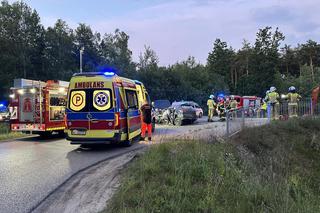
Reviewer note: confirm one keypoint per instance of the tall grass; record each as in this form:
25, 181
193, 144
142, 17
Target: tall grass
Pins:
271, 169
5, 132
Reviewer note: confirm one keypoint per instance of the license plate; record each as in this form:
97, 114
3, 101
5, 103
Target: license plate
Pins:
78, 132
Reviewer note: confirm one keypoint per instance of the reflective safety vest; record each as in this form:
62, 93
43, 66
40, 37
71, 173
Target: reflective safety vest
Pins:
211, 104
264, 106
233, 104
293, 97
273, 97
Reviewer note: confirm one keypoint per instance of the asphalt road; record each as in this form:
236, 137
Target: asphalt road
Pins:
31, 168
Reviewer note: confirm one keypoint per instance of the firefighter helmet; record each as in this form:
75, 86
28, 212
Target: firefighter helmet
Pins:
211, 96
292, 89
273, 89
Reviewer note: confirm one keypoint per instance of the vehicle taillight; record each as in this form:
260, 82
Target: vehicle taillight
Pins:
116, 120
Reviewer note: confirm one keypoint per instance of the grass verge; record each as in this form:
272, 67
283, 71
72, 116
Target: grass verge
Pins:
5, 132
275, 168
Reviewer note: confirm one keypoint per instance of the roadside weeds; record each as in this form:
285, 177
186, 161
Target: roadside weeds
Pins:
274, 168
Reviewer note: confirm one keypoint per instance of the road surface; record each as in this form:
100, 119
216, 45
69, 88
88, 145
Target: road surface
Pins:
32, 168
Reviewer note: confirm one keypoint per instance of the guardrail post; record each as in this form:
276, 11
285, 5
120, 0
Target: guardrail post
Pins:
228, 124
269, 113
243, 119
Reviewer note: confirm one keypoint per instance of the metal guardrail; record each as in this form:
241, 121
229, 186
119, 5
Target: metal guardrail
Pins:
241, 118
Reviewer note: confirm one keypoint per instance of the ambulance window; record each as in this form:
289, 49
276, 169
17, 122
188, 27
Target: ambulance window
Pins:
132, 99
77, 100
101, 100
148, 98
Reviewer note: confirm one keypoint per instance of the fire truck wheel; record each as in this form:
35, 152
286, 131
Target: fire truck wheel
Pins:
61, 134
44, 135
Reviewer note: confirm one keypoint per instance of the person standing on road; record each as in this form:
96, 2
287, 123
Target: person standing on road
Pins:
146, 124
211, 107
233, 105
273, 101
293, 99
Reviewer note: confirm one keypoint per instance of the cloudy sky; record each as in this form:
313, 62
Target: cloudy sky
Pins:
176, 29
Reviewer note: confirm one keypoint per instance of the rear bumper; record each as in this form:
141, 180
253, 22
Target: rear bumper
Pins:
189, 117
115, 139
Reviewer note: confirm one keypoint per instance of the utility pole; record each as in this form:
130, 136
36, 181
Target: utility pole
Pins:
81, 52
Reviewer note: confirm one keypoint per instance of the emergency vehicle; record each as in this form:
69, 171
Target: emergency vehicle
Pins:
38, 107
316, 100
103, 108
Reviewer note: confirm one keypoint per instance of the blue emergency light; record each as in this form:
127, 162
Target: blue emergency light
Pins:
109, 73
221, 95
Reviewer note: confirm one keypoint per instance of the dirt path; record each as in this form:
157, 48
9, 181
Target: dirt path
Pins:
89, 190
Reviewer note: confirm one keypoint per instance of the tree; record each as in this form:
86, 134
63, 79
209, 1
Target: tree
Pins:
21, 42
220, 61
85, 38
148, 60
116, 53
60, 52
264, 63
310, 53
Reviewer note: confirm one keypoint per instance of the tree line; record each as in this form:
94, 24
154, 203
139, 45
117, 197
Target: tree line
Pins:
29, 50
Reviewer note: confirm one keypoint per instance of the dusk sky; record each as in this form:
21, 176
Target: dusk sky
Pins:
176, 29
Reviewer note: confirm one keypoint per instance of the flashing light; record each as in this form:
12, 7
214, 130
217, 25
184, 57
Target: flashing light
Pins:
1, 105
21, 91
221, 95
109, 73
33, 90
12, 96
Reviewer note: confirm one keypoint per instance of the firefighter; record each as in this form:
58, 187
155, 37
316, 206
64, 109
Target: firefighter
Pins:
211, 107
293, 99
263, 109
233, 105
221, 108
272, 99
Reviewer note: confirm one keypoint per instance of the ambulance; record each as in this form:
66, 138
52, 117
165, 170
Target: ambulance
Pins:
103, 108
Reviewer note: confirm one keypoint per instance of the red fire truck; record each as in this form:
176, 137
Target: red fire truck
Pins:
38, 107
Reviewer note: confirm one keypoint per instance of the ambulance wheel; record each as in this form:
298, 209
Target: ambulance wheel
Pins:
127, 143
85, 146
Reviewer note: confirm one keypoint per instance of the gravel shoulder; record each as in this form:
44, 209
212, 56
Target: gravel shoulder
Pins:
89, 190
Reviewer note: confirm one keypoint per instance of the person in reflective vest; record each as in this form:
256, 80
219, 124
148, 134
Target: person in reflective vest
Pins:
146, 124
211, 107
233, 106
221, 108
293, 99
273, 102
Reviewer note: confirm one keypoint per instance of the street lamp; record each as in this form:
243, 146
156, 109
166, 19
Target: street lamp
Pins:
81, 52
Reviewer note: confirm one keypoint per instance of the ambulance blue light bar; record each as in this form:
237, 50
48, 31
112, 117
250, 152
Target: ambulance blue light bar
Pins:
109, 73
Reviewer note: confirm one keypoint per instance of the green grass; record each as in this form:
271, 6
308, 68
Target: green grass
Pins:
6, 134
271, 169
